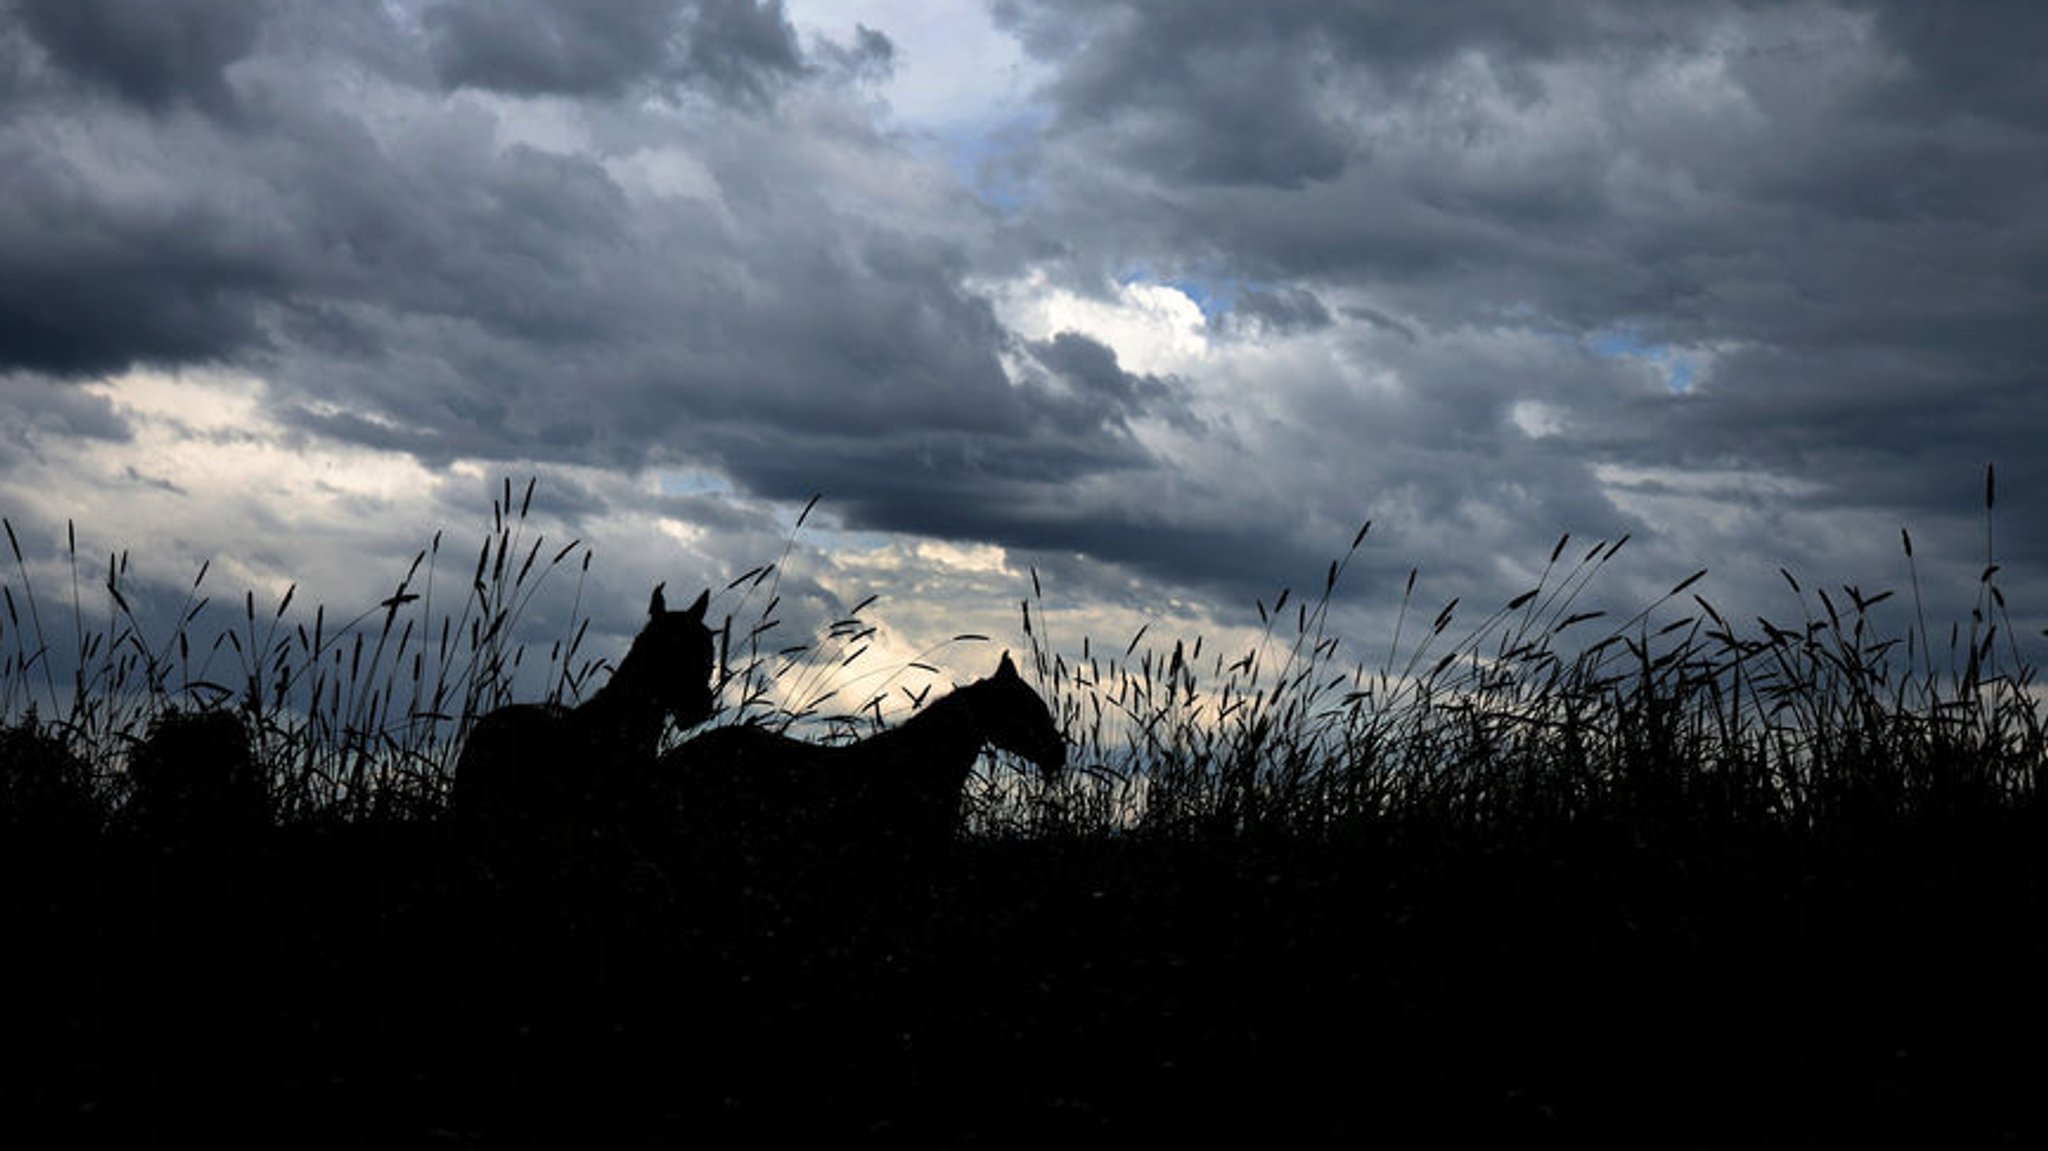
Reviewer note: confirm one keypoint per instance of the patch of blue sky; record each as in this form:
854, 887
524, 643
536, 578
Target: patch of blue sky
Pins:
1215, 295
693, 484
840, 541
1680, 368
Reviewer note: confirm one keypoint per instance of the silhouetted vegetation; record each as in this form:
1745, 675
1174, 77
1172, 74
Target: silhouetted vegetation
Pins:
1665, 880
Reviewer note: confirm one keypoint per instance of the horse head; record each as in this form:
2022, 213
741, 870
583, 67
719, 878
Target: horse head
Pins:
676, 654
1016, 720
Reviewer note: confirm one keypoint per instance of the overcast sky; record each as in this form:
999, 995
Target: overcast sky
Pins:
1162, 297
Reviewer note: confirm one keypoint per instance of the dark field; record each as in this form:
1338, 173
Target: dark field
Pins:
1590, 986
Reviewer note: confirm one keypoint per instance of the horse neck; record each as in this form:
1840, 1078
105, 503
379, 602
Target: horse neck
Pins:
629, 711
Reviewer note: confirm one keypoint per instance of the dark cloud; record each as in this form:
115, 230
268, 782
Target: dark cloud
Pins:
1824, 207
1012, 486
1975, 60
155, 54
737, 45
97, 280
734, 48
1243, 111
1215, 92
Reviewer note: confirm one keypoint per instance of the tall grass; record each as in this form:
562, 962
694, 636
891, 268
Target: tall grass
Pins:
353, 720
1673, 720
1545, 714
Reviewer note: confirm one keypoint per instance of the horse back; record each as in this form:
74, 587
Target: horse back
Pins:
746, 785
738, 779
514, 761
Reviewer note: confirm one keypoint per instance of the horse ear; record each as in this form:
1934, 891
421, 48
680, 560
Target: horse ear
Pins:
656, 605
696, 610
1006, 667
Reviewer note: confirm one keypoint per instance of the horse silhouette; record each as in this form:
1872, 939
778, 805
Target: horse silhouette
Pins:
750, 786
536, 764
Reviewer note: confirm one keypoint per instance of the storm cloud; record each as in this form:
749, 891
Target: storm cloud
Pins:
1759, 283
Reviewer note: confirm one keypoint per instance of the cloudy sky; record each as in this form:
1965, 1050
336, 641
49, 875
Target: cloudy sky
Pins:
1163, 298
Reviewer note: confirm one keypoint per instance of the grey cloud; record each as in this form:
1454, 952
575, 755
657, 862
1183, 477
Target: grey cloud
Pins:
1223, 93
1978, 60
1242, 112
96, 282
1283, 310
870, 56
1385, 33
35, 408
735, 44
874, 47
152, 53
1834, 217
458, 301
1634, 204
543, 46
1098, 393
1018, 491
608, 47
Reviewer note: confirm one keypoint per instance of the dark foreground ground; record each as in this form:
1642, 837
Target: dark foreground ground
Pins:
376, 986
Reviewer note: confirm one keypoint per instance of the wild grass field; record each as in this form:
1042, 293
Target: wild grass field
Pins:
1556, 878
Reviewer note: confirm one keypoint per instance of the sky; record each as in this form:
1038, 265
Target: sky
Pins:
1159, 299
